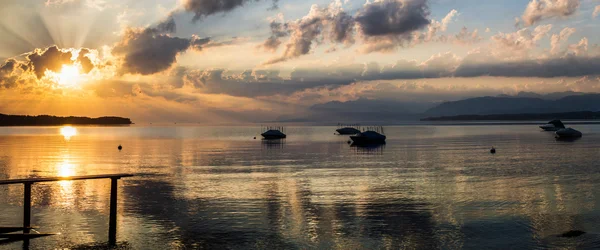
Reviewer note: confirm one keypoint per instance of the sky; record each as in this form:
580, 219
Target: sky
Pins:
247, 61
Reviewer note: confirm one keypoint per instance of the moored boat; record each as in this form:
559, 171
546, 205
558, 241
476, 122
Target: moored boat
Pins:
371, 136
568, 133
273, 133
553, 125
348, 129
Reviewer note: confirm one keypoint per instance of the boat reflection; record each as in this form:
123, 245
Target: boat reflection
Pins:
567, 139
273, 143
368, 148
67, 132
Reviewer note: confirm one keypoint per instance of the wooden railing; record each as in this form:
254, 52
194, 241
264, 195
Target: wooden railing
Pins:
27, 183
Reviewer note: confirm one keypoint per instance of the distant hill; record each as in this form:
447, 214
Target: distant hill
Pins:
368, 105
47, 120
517, 105
585, 115
361, 111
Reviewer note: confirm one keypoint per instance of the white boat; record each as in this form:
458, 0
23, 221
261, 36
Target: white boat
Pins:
553, 125
568, 133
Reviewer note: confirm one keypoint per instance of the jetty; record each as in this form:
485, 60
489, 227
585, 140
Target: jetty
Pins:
8, 235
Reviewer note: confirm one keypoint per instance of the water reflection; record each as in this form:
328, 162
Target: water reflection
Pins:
273, 143
432, 188
67, 132
368, 148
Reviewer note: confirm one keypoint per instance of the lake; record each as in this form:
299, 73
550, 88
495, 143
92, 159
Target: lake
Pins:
429, 187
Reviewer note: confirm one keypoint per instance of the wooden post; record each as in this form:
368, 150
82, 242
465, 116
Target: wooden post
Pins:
112, 223
26, 212
26, 207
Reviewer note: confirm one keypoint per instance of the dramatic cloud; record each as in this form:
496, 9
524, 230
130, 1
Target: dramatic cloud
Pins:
342, 27
383, 25
152, 50
51, 59
538, 10
203, 8
278, 30
7, 77
393, 17
303, 33
85, 61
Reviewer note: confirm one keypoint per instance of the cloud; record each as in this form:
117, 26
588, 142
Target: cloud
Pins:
538, 10
204, 8
51, 59
152, 50
85, 61
278, 30
7, 73
566, 66
520, 42
465, 37
556, 39
303, 33
383, 25
393, 17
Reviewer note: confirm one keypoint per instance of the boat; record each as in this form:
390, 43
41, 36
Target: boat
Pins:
348, 129
567, 133
273, 133
553, 125
373, 135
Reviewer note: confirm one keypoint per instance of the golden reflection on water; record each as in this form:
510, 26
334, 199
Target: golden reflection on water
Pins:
66, 169
67, 132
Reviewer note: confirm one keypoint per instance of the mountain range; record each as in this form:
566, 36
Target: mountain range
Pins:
367, 110
517, 105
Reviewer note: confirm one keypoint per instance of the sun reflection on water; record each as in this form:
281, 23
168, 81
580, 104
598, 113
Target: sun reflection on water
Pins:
68, 132
66, 169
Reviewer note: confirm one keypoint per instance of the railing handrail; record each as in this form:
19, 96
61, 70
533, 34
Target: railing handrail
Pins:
64, 178
27, 183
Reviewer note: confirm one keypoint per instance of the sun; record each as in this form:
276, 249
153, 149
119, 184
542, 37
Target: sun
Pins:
69, 75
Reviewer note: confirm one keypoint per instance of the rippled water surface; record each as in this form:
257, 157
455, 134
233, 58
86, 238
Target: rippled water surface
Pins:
430, 187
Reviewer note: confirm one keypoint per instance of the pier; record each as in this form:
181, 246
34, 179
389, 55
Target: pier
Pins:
5, 234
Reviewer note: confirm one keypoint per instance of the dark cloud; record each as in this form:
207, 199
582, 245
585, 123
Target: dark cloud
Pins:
203, 8
86, 63
168, 25
309, 29
50, 59
152, 50
278, 30
7, 76
393, 17
342, 28
384, 25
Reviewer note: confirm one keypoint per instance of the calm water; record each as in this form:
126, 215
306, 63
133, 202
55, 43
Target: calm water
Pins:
216, 187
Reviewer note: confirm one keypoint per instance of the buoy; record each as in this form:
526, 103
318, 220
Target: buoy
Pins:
120, 147
493, 150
